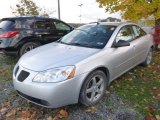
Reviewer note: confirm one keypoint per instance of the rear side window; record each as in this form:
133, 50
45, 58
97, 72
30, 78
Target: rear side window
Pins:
44, 24
6, 24
138, 32
24, 23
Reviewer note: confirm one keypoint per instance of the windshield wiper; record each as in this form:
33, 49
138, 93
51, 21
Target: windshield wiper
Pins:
59, 40
78, 44
82, 45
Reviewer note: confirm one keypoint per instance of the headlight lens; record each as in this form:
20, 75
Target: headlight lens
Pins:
55, 75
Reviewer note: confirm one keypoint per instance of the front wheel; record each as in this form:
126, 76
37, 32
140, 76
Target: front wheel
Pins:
28, 47
93, 88
148, 59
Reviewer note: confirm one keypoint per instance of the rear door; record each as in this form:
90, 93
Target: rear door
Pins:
140, 42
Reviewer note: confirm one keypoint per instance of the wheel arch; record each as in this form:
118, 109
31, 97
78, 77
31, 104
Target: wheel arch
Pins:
102, 68
27, 39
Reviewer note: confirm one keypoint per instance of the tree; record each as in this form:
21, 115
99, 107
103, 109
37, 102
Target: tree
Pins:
29, 8
133, 10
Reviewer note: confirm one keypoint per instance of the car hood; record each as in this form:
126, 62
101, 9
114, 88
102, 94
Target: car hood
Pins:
55, 55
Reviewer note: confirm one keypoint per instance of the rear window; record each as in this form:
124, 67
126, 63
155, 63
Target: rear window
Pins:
6, 24
17, 23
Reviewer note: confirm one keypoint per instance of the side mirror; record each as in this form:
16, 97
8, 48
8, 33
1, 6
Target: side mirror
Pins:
121, 43
72, 28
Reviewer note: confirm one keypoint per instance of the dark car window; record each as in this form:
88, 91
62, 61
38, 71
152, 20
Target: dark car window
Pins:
138, 32
61, 26
124, 34
6, 24
95, 36
24, 23
44, 24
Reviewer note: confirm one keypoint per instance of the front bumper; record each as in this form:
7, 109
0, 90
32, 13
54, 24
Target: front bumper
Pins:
51, 95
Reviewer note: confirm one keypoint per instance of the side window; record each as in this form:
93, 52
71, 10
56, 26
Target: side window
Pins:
44, 24
138, 32
61, 26
124, 34
24, 23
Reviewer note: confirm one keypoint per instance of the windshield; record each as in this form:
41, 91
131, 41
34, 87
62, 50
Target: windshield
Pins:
93, 36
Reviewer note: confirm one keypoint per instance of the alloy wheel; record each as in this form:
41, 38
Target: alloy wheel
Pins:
29, 48
95, 88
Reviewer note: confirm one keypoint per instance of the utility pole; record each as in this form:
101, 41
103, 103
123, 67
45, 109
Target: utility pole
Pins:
59, 12
80, 11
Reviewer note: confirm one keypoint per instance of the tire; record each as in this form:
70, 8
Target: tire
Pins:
93, 88
148, 59
28, 47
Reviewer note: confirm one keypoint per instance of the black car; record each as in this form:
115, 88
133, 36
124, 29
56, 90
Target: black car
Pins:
19, 35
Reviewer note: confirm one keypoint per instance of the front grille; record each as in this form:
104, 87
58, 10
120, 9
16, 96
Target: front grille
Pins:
16, 71
23, 75
36, 100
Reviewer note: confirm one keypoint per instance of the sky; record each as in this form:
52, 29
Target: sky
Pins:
70, 11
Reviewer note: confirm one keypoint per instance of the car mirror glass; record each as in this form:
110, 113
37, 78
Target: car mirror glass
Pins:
122, 43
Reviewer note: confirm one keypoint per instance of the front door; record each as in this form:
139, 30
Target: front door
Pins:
46, 30
122, 56
61, 28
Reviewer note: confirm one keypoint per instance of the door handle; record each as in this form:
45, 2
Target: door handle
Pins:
134, 47
60, 33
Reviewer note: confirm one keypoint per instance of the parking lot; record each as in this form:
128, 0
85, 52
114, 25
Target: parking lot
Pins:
129, 97
13, 106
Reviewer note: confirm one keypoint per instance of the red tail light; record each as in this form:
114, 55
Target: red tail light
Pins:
9, 34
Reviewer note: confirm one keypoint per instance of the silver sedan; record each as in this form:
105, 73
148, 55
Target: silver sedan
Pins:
79, 66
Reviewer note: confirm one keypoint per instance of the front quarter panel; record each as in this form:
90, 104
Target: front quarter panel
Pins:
101, 59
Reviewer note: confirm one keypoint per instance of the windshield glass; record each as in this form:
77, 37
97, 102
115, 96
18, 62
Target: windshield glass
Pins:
94, 36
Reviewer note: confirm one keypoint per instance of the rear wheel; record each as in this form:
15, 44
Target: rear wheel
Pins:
28, 47
148, 59
93, 88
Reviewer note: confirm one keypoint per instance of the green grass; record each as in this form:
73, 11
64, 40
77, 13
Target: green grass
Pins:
137, 86
6, 67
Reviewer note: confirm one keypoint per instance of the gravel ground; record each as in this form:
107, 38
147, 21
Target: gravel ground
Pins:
110, 108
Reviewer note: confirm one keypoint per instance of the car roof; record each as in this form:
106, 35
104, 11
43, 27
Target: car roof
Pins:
27, 17
111, 23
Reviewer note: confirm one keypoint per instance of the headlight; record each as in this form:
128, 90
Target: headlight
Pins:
55, 75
